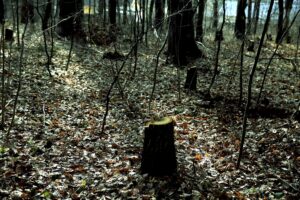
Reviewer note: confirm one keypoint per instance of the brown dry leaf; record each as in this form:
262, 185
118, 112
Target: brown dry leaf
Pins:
78, 169
198, 157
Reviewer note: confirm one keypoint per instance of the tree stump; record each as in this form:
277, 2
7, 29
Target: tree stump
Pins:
191, 79
159, 155
9, 35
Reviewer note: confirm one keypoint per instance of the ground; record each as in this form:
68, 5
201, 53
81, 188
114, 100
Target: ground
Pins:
56, 149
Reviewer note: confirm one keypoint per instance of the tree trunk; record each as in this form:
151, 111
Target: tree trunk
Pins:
27, 12
250, 82
280, 21
112, 11
216, 14
47, 15
151, 11
249, 17
125, 5
199, 27
286, 22
1, 11
159, 155
191, 79
256, 15
240, 20
159, 14
102, 11
70, 14
182, 46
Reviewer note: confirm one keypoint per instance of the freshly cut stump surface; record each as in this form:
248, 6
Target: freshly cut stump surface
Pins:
159, 155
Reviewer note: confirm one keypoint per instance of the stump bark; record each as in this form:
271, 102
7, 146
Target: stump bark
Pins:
159, 155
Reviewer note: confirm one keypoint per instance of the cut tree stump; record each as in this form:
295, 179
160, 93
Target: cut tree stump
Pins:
191, 79
159, 155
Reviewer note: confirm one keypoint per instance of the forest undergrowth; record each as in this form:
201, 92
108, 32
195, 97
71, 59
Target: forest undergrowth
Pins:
56, 149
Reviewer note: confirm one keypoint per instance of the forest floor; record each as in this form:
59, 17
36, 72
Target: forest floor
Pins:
56, 150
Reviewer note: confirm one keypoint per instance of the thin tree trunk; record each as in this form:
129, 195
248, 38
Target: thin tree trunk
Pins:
45, 19
280, 21
256, 15
240, 20
216, 14
249, 17
199, 27
18, 24
151, 11
3, 95
219, 41
251, 77
159, 14
288, 8
112, 5
125, 5
19, 83
241, 73
271, 58
1, 11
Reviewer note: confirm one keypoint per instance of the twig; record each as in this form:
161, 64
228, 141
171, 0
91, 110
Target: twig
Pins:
19, 84
155, 73
112, 86
251, 77
272, 56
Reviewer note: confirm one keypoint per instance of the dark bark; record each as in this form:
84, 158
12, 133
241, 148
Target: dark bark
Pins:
1, 11
250, 83
240, 20
286, 22
143, 16
9, 35
47, 15
280, 21
256, 15
191, 79
249, 17
199, 27
70, 15
159, 14
102, 10
151, 10
159, 155
27, 12
112, 6
219, 38
125, 5
216, 14
182, 46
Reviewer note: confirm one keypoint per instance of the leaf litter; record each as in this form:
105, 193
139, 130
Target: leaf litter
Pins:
57, 150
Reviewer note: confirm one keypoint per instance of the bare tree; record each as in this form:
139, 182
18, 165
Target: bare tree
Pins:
159, 14
1, 11
199, 27
288, 8
249, 17
112, 9
70, 14
216, 14
182, 47
280, 21
256, 15
240, 20
250, 82
181, 41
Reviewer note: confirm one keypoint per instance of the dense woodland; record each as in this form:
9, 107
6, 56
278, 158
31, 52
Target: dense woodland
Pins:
150, 99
